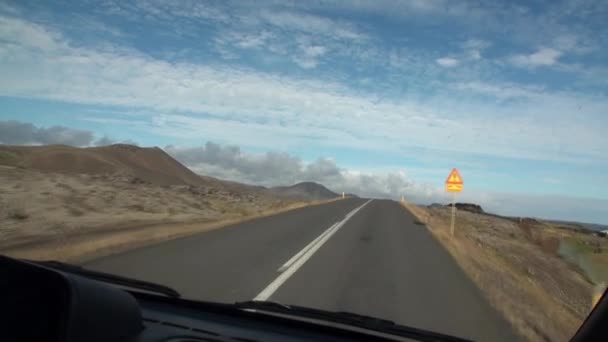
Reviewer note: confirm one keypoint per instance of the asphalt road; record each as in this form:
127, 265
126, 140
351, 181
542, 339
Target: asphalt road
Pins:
367, 257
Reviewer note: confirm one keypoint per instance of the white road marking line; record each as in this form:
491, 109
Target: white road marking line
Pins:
315, 241
305, 249
304, 256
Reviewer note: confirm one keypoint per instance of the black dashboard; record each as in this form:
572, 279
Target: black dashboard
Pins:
43, 304
188, 323
66, 304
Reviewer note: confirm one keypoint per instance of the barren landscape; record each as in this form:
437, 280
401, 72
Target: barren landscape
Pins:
54, 199
541, 276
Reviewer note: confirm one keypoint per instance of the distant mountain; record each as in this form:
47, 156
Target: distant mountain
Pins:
143, 164
148, 164
304, 190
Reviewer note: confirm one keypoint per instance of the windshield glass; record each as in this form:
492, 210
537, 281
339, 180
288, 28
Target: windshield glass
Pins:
435, 163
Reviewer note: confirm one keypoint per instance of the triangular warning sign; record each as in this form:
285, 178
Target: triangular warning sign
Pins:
454, 177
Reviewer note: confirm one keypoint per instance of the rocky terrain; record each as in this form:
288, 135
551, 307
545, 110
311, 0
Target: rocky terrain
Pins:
541, 276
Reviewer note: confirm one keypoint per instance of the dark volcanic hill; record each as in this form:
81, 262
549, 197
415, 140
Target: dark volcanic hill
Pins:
304, 190
150, 164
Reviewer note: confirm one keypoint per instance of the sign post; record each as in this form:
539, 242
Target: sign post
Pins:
452, 221
454, 184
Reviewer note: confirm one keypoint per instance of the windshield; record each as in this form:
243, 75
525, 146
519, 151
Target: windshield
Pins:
439, 164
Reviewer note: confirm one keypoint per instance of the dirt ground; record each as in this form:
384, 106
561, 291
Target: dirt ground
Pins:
69, 216
518, 266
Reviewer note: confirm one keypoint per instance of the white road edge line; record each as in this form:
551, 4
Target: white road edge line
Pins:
298, 262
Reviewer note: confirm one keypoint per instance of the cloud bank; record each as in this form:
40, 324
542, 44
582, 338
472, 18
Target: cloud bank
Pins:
22, 133
279, 168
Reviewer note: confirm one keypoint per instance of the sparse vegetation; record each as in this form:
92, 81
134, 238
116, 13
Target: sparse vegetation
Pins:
242, 211
105, 199
9, 158
136, 207
62, 207
75, 211
520, 267
18, 214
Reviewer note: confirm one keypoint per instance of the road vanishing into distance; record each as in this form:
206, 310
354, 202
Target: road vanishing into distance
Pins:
357, 255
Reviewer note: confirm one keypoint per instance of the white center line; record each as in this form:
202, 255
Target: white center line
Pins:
293, 264
306, 249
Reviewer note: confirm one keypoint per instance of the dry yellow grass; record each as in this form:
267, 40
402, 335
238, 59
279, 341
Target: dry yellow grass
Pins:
542, 296
80, 248
72, 217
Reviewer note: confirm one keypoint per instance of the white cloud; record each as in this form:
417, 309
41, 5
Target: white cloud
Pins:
20, 133
315, 50
228, 42
501, 90
279, 168
309, 55
474, 47
475, 44
566, 42
6, 8
289, 111
572, 43
250, 40
168, 10
28, 35
542, 57
313, 24
447, 62
392, 8
82, 23
292, 36
306, 62
397, 59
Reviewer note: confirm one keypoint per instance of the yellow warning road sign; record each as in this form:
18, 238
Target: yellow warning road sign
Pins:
454, 182
453, 187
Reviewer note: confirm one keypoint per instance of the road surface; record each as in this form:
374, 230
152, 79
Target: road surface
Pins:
357, 255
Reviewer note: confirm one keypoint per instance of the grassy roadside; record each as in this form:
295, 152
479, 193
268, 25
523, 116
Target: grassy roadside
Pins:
73, 217
542, 296
84, 247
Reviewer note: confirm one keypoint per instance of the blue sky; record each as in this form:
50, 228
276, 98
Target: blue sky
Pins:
379, 97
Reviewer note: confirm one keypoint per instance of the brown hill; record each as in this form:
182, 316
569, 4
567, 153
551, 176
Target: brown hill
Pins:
303, 190
147, 164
